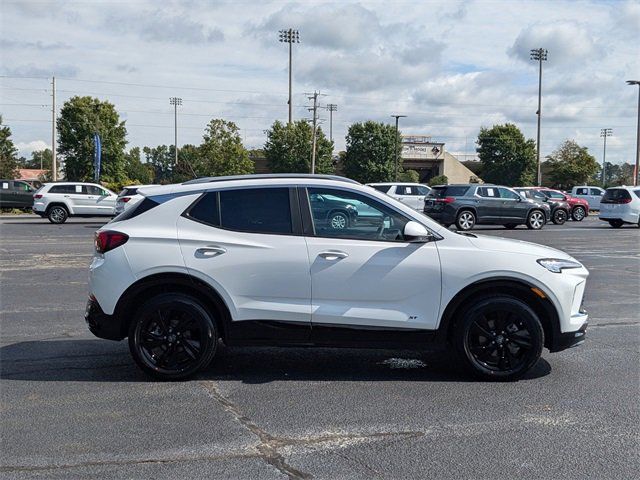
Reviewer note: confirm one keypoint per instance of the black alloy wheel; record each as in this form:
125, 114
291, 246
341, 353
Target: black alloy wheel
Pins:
578, 214
172, 337
499, 338
616, 223
560, 216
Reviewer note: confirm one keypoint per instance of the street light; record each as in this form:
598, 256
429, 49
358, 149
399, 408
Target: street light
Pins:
635, 169
175, 101
396, 149
289, 36
539, 55
332, 107
604, 133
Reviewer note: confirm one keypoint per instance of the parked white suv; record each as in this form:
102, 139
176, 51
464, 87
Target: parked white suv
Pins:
255, 260
621, 205
59, 201
412, 194
589, 193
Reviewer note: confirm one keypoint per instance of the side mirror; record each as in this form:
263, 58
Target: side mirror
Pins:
416, 233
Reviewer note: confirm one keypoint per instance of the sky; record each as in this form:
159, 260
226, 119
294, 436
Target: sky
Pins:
451, 67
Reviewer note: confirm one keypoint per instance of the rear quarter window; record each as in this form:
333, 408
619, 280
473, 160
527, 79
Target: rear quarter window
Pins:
381, 188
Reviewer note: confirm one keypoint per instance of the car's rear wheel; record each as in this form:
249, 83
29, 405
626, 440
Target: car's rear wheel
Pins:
616, 223
535, 220
57, 214
465, 220
338, 221
578, 214
560, 216
499, 338
510, 226
172, 336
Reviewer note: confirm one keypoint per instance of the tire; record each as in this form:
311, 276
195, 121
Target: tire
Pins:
510, 226
498, 338
535, 220
338, 220
560, 216
616, 223
465, 220
172, 336
57, 214
578, 214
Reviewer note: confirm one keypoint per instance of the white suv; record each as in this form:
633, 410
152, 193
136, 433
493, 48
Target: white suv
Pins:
258, 260
59, 201
621, 205
412, 194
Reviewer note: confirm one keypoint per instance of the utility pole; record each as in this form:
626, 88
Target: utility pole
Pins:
54, 162
539, 55
314, 109
636, 169
332, 107
290, 36
175, 101
604, 133
396, 149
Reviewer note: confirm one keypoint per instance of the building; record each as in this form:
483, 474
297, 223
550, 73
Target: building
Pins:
430, 159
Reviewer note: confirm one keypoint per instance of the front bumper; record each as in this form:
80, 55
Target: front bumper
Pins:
562, 341
101, 324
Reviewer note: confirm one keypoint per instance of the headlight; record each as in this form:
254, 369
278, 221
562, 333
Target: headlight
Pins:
556, 265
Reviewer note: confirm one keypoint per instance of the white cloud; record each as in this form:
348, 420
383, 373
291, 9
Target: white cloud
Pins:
26, 148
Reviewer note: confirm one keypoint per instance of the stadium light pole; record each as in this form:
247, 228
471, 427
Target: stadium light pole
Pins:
175, 101
332, 107
636, 168
396, 149
539, 55
604, 133
290, 36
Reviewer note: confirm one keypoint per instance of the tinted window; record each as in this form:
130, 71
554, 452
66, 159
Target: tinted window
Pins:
92, 190
260, 210
449, 191
508, 194
62, 189
381, 188
206, 209
582, 191
145, 205
22, 186
344, 214
616, 194
596, 191
552, 194
422, 190
637, 193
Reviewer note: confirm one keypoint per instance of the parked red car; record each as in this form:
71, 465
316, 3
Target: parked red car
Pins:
578, 206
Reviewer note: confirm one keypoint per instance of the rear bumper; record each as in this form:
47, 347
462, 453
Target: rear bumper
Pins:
622, 216
101, 324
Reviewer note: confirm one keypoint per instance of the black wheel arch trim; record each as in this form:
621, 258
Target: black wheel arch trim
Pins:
510, 286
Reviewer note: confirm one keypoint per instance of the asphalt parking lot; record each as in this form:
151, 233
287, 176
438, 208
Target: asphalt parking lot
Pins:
74, 406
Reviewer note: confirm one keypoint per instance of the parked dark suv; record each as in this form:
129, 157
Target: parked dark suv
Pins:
16, 194
468, 205
559, 208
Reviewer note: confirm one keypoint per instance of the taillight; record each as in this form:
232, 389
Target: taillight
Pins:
108, 240
125, 199
37, 195
446, 200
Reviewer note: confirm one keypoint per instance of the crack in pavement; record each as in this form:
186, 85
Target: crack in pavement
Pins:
270, 446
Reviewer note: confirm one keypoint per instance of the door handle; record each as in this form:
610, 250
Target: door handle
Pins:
333, 255
211, 251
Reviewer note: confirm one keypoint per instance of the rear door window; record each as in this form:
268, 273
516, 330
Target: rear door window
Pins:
596, 191
449, 191
256, 210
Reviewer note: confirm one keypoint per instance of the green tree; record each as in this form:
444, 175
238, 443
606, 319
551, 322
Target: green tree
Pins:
190, 164
135, 170
222, 152
570, 165
371, 152
79, 119
161, 159
39, 159
409, 176
507, 157
288, 148
8, 161
439, 180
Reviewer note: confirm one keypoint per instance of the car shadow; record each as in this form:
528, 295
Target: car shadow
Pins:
87, 360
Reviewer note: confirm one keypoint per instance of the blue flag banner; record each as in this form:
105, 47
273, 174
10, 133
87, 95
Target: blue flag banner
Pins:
97, 153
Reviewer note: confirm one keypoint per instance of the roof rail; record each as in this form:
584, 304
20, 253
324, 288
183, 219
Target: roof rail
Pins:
268, 176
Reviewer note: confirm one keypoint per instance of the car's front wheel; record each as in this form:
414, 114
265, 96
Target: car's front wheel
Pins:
535, 220
616, 223
499, 338
560, 216
172, 336
465, 220
57, 214
578, 214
